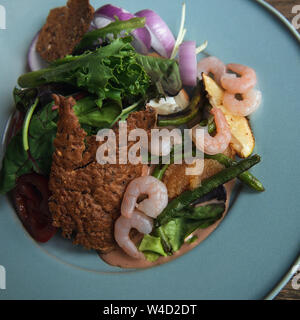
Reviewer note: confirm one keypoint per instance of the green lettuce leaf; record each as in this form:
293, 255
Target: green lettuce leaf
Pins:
111, 72
152, 247
171, 236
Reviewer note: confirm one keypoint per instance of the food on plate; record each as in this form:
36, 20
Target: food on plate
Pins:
121, 141
169, 105
176, 172
242, 139
64, 28
220, 141
85, 195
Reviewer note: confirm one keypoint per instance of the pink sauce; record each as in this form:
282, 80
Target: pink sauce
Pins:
120, 259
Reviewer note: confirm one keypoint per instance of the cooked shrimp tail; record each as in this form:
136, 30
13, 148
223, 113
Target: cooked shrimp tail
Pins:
218, 143
242, 84
211, 65
152, 206
123, 226
250, 102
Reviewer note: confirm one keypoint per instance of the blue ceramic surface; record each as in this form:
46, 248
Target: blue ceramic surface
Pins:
259, 239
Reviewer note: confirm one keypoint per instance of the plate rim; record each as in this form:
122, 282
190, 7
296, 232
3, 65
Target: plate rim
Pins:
296, 265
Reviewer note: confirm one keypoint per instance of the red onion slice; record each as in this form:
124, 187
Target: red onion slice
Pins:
188, 63
142, 38
100, 22
162, 39
35, 61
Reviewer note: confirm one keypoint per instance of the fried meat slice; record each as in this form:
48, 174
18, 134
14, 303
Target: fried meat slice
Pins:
86, 196
64, 28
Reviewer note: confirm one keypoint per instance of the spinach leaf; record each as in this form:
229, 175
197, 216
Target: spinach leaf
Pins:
89, 114
100, 118
15, 163
24, 98
42, 132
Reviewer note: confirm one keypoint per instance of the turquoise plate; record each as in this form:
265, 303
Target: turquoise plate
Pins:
258, 241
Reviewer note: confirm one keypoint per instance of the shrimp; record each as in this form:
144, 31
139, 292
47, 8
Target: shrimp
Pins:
242, 84
152, 206
218, 143
123, 226
211, 65
145, 170
251, 101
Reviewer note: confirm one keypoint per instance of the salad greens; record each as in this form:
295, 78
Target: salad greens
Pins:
117, 81
17, 161
41, 134
188, 197
26, 124
90, 114
114, 29
24, 98
169, 237
164, 73
179, 219
115, 72
110, 72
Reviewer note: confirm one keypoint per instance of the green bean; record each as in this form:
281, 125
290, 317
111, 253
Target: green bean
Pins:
207, 186
159, 171
192, 111
211, 125
248, 178
203, 123
202, 212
